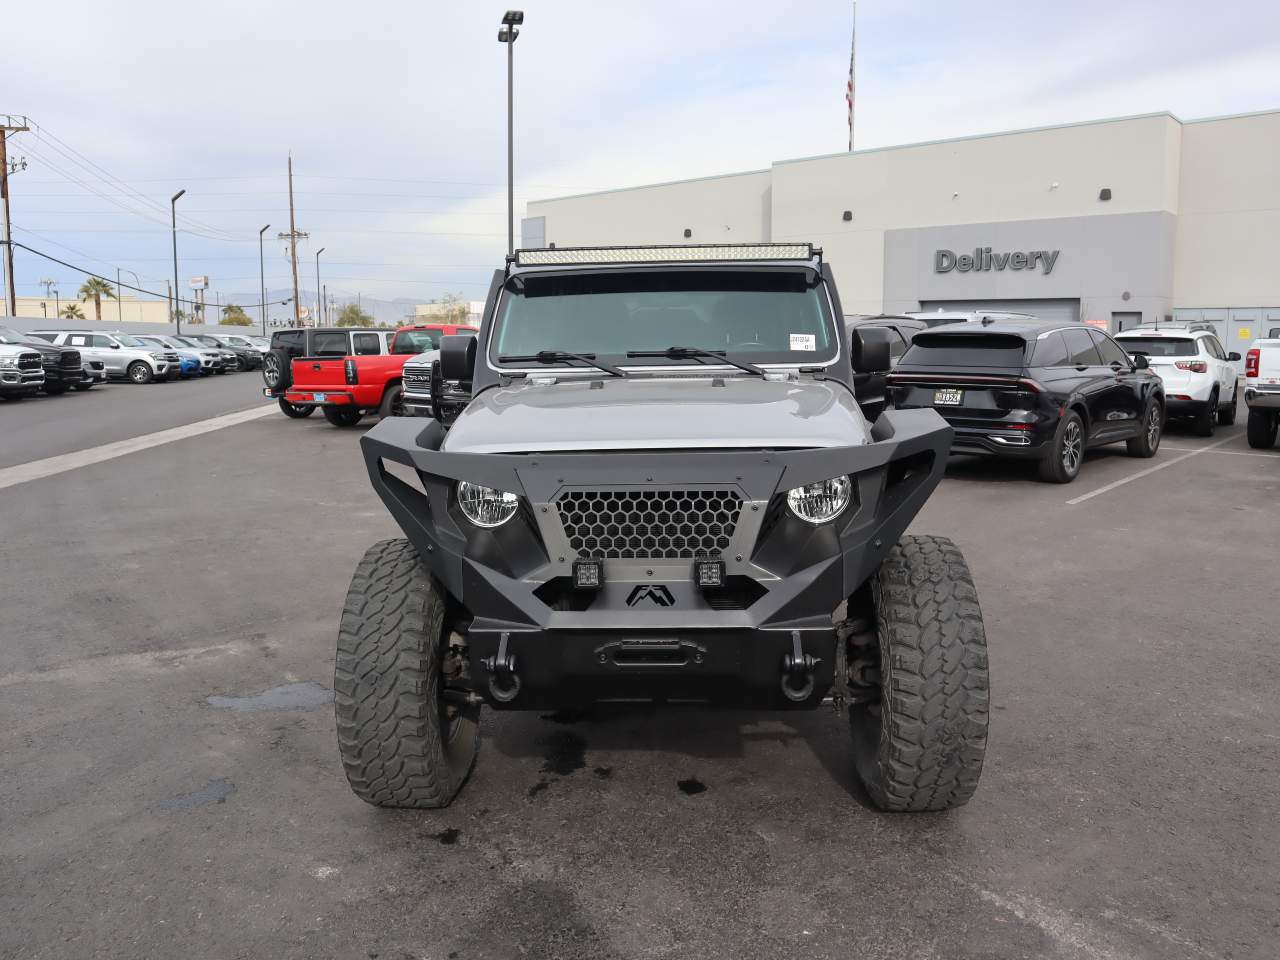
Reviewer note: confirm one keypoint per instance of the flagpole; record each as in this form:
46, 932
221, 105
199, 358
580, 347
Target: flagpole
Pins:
849, 89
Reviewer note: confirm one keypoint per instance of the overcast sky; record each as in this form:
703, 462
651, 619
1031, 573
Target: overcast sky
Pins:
395, 112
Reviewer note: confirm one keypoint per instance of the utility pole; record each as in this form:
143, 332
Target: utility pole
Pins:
293, 236
119, 305
8, 125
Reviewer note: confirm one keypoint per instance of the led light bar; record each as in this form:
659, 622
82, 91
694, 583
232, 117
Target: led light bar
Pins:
673, 254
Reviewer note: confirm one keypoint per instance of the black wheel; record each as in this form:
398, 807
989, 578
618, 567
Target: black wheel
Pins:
1061, 462
55, 389
1260, 429
921, 746
406, 738
1206, 420
1227, 414
392, 402
293, 410
342, 416
139, 372
277, 374
1147, 442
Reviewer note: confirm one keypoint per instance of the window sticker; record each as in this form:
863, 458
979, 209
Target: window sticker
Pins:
804, 341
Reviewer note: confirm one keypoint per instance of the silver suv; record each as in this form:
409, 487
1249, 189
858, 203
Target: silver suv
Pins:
122, 355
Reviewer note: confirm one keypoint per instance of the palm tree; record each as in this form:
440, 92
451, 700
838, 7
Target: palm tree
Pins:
95, 288
72, 312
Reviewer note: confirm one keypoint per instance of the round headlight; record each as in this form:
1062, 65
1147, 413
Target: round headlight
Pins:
822, 501
485, 506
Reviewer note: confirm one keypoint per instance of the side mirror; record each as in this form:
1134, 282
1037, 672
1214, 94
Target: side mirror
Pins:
115, 346
869, 353
1233, 357
1140, 361
457, 356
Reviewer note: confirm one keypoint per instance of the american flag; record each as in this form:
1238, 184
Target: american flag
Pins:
848, 91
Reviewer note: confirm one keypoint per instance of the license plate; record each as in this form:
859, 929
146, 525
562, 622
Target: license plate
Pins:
318, 397
948, 398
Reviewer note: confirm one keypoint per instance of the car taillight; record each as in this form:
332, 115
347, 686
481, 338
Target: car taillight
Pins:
1195, 366
352, 376
1251, 362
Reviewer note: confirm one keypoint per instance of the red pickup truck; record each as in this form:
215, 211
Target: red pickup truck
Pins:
346, 388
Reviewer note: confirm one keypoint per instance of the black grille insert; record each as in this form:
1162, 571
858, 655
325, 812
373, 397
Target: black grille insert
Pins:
649, 524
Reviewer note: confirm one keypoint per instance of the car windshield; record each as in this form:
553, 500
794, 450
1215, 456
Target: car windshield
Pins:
416, 341
759, 316
1159, 346
126, 341
8, 335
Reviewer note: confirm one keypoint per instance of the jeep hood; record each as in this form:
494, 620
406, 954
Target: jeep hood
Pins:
649, 413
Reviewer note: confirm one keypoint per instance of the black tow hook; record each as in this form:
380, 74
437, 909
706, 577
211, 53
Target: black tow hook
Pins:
798, 666
504, 682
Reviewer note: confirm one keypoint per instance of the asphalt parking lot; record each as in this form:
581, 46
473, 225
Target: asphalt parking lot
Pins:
170, 786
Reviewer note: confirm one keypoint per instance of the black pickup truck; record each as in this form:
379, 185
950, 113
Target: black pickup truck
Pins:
63, 368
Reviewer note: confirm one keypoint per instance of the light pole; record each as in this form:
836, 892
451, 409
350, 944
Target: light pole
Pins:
318, 294
507, 34
262, 279
173, 214
136, 282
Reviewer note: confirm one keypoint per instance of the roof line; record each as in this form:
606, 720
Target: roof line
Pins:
646, 186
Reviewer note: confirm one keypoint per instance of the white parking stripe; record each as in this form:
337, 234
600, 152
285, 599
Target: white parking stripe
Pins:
1145, 473
50, 466
1234, 453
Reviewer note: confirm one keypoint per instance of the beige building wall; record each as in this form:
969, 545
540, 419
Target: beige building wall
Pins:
731, 209
128, 310
1228, 235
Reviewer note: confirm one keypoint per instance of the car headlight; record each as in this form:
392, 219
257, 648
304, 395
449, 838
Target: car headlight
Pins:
9, 363
485, 506
157, 356
822, 501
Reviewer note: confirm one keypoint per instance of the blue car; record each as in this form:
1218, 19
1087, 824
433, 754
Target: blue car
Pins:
189, 366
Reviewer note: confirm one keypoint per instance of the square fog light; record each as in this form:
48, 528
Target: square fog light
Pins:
708, 573
588, 574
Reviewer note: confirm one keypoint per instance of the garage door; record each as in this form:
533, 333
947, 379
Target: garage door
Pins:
1059, 311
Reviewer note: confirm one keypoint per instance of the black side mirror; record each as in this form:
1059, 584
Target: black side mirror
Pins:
457, 356
869, 353
1140, 361
1233, 357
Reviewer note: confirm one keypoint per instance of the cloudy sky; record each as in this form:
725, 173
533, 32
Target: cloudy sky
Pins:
395, 112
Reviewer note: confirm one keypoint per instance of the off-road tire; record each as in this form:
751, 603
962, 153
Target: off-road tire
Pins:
293, 410
342, 416
277, 373
1260, 429
921, 747
1206, 420
1053, 464
392, 402
387, 683
139, 372
1227, 414
1147, 442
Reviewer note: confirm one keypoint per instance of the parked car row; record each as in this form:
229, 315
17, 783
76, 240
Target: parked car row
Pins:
29, 366
149, 357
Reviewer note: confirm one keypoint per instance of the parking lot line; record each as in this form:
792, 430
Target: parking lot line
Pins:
50, 466
1145, 473
1235, 453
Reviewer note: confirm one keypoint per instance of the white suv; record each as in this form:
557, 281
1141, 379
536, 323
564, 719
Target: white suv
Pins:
121, 354
936, 318
1199, 375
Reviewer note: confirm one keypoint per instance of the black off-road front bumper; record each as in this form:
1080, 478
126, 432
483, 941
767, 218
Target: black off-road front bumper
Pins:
765, 639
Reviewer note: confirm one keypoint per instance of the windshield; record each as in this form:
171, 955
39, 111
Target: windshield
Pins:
1159, 346
126, 341
761, 317
8, 335
416, 341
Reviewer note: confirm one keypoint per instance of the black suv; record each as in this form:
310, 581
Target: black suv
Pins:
1032, 390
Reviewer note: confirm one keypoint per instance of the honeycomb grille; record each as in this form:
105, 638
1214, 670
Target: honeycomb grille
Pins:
648, 524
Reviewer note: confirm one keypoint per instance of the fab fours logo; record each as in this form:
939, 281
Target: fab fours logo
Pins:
656, 594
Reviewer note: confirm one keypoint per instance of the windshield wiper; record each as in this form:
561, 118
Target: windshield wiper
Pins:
697, 353
564, 356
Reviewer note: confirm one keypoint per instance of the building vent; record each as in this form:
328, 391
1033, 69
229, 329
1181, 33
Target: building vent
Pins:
1104, 193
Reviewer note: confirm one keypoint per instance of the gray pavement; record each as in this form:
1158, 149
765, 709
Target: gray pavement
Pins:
169, 781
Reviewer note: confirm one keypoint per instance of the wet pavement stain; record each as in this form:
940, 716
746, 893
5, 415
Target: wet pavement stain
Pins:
448, 836
538, 787
691, 786
604, 773
565, 752
215, 791
290, 696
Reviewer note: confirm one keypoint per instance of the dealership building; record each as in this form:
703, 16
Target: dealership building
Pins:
1112, 222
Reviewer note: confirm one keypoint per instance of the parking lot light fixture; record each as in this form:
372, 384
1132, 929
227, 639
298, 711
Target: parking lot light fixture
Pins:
177, 298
